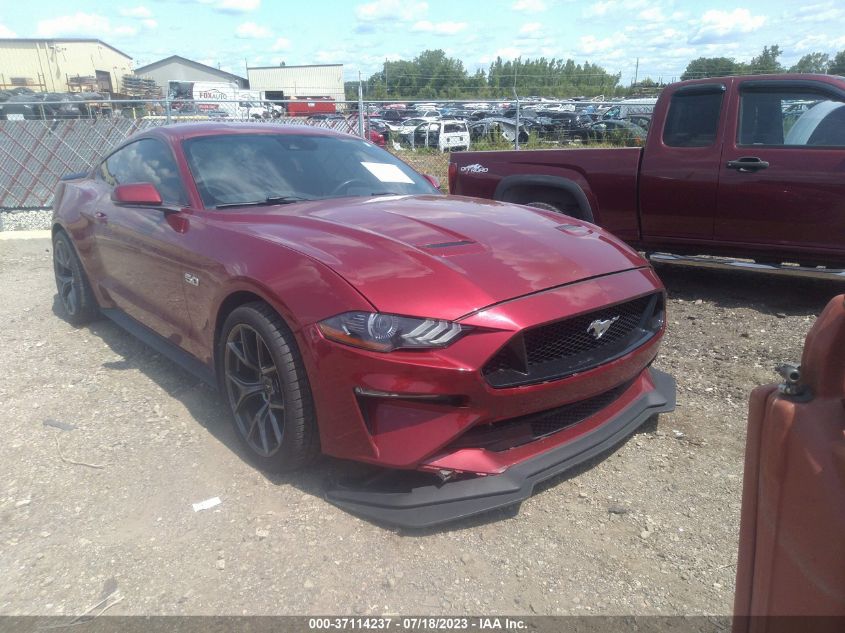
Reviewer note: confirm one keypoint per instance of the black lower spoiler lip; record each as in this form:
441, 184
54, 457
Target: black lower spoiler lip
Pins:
429, 505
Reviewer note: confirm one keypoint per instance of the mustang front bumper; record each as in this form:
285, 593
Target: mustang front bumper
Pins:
423, 505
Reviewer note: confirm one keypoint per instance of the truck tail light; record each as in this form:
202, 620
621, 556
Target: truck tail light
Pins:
453, 172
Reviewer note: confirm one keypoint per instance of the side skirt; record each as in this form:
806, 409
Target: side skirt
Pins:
164, 347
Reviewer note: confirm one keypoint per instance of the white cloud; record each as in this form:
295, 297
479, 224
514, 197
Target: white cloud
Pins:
718, 25
529, 6
143, 17
508, 53
233, 6
819, 42
136, 12
77, 24
390, 10
439, 28
281, 44
89, 25
590, 44
652, 14
5, 31
530, 28
622, 7
252, 31
124, 31
598, 9
822, 12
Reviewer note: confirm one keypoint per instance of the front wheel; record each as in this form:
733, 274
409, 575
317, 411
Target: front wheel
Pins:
267, 388
75, 294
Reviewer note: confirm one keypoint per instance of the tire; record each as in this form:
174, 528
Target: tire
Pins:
75, 295
264, 381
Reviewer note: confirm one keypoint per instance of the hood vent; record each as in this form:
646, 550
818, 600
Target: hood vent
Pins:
450, 244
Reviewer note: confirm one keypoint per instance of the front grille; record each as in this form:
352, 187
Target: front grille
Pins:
500, 436
558, 349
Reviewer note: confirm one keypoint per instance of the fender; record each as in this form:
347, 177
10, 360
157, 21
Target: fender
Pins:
553, 182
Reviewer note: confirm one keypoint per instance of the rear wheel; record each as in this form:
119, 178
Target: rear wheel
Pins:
75, 294
267, 388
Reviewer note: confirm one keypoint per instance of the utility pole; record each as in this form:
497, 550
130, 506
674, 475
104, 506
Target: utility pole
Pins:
360, 107
516, 96
636, 71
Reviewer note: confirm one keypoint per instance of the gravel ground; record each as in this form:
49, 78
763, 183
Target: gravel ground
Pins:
650, 528
25, 220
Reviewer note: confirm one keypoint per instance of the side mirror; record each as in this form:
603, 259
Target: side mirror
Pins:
433, 180
142, 194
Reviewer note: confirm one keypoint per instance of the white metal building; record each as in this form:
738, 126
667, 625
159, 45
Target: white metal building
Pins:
61, 65
176, 68
285, 82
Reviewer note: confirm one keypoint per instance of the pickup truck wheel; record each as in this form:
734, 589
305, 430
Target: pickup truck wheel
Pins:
267, 388
74, 290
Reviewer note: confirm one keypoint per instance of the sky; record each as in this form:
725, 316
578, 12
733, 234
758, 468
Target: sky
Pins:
652, 38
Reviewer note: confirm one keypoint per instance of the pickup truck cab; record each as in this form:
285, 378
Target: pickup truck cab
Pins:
744, 167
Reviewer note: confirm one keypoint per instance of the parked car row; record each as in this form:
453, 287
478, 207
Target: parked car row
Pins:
23, 104
623, 123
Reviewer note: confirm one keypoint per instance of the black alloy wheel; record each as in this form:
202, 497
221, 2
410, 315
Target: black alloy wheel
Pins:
264, 380
75, 294
256, 396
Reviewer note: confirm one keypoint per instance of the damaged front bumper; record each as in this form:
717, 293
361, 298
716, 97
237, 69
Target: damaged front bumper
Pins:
419, 504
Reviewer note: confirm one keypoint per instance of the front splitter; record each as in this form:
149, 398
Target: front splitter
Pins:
428, 504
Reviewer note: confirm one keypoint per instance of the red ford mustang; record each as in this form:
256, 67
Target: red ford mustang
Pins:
343, 305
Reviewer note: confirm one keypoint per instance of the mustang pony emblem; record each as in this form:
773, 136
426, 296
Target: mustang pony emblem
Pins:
598, 327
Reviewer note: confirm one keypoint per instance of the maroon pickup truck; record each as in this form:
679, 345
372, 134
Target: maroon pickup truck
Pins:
733, 167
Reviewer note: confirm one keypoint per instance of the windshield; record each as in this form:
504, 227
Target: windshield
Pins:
251, 169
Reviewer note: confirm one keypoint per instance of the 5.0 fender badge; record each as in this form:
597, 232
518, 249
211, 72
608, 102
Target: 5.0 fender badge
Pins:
599, 327
192, 279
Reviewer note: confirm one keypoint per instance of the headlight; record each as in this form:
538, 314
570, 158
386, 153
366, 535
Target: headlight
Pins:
387, 332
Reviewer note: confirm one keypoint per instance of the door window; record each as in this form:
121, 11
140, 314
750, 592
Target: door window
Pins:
147, 160
693, 119
791, 118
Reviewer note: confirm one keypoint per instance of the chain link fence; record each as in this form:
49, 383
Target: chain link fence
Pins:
41, 144
35, 154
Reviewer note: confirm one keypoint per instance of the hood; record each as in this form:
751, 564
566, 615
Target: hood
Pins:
441, 256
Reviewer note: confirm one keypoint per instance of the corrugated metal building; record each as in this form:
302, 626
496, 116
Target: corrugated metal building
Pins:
60, 65
181, 69
285, 82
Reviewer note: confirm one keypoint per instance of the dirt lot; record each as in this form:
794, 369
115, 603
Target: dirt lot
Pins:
650, 528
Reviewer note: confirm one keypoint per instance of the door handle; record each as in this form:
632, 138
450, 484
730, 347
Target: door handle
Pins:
101, 217
747, 164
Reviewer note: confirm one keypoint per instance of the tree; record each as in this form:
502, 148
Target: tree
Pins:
837, 65
812, 63
766, 63
433, 75
711, 67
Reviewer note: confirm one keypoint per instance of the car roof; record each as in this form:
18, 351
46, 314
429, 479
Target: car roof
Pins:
181, 131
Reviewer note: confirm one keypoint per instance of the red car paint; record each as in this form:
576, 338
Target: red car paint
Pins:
508, 268
791, 551
681, 194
